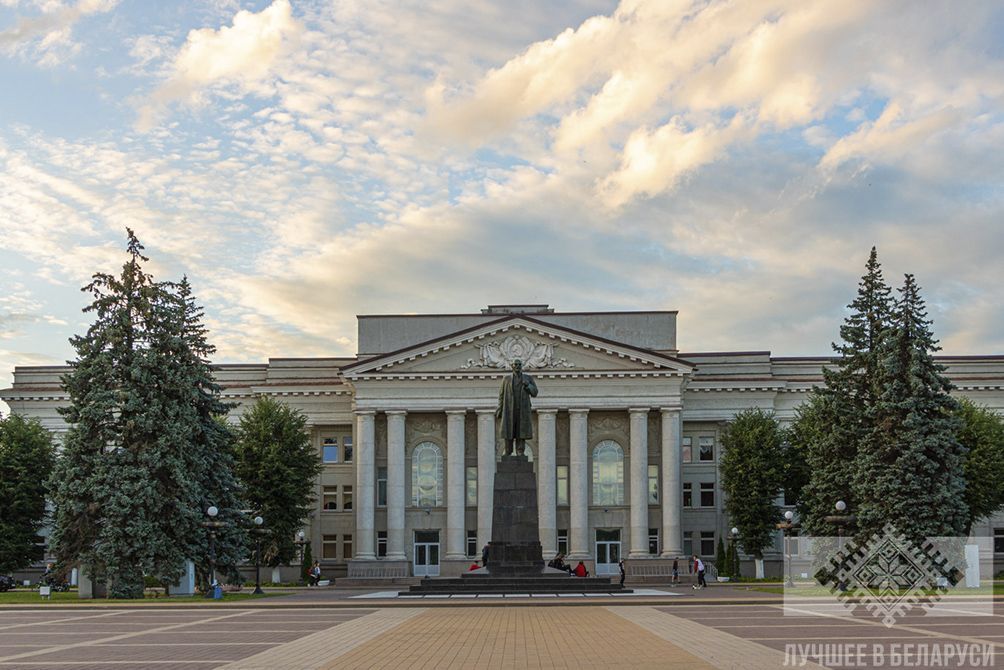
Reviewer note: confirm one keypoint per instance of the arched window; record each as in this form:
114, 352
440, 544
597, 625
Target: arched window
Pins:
608, 474
427, 476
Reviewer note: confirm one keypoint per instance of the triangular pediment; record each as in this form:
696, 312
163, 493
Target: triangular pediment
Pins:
543, 348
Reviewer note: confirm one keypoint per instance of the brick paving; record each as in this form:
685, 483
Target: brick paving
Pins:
691, 635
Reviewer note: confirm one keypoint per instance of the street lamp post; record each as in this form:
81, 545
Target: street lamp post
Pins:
212, 525
257, 530
787, 526
840, 520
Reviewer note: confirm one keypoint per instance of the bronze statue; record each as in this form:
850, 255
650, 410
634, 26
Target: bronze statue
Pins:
513, 410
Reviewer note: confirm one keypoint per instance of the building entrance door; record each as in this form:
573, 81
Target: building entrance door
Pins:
426, 556
608, 551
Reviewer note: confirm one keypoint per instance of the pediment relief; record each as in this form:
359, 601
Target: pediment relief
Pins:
542, 350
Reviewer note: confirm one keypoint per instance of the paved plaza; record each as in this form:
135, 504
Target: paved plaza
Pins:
692, 636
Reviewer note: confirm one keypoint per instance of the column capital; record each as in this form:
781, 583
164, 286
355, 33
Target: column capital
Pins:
578, 410
395, 412
546, 410
455, 412
481, 412
639, 410
670, 410
365, 412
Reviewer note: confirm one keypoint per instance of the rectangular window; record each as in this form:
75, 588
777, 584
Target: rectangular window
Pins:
707, 494
329, 502
347, 449
472, 487
688, 494
707, 543
346, 498
688, 544
472, 542
562, 540
999, 540
686, 448
707, 448
346, 547
329, 547
653, 484
381, 544
653, 541
562, 489
329, 449
381, 487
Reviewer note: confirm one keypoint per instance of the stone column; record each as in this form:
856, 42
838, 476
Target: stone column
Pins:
547, 499
486, 474
672, 489
365, 485
455, 482
395, 485
578, 485
639, 483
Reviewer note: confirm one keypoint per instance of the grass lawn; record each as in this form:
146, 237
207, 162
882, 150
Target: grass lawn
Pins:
31, 597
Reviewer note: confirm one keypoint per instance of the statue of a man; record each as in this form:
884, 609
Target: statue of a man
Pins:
513, 410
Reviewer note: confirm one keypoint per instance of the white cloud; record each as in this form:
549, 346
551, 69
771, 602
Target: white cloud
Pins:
244, 52
47, 38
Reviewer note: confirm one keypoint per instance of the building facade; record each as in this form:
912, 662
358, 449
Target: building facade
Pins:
626, 441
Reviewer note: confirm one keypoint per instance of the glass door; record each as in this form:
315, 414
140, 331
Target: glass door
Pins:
426, 555
608, 551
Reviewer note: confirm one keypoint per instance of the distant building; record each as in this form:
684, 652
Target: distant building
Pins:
626, 440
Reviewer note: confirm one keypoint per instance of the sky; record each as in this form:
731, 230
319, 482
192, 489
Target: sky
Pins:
303, 162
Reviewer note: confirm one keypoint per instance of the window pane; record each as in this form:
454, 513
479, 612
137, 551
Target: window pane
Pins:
472, 487
346, 547
381, 487
999, 540
653, 540
707, 494
686, 449
427, 476
562, 472
472, 543
688, 543
688, 494
563, 541
608, 535
707, 447
608, 474
653, 484
381, 543
347, 448
329, 450
329, 501
346, 498
329, 546
707, 542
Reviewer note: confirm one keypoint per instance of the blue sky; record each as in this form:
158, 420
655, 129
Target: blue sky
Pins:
303, 162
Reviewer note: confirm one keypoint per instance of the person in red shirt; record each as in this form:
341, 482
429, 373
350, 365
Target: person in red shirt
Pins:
580, 570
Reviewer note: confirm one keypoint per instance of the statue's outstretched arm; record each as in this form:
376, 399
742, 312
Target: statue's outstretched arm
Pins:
531, 387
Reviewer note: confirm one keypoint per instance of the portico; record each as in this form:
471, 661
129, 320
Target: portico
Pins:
440, 397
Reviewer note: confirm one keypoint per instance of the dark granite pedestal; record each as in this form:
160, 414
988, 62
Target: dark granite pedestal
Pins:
515, 563
515, 549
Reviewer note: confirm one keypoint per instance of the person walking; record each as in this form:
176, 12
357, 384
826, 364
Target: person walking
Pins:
676, 572
621, 566
699, 566
315, 573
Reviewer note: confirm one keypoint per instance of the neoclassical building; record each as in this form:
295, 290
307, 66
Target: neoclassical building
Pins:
625, 449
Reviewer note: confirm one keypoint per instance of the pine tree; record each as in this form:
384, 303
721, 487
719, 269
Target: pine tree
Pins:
753, 469
721, 561
911, 470
278, 466
26, 458
838, 417
145, 450
981, 432
734, 564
